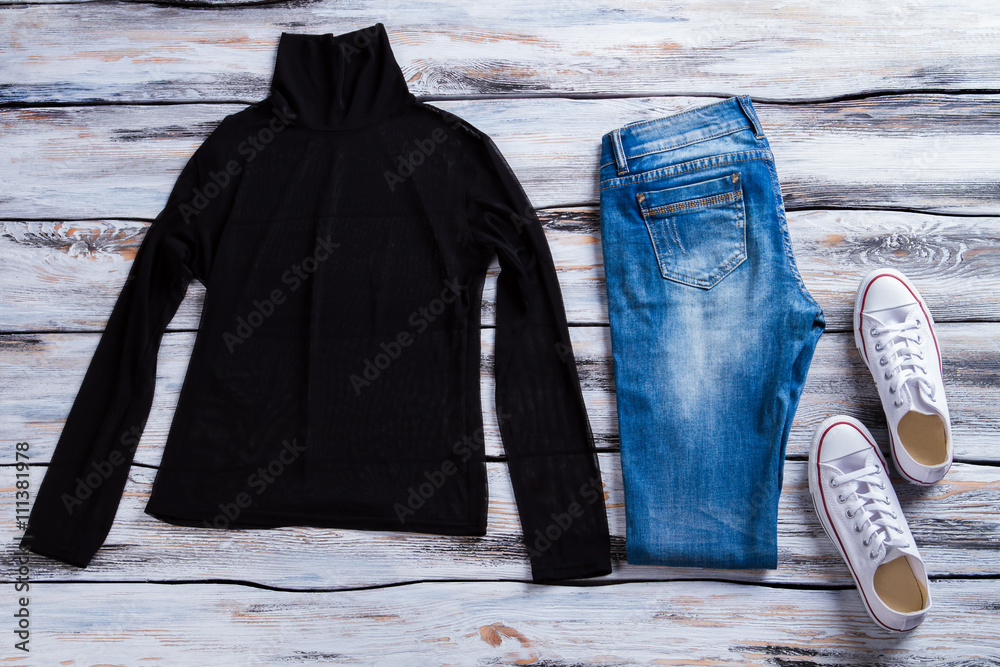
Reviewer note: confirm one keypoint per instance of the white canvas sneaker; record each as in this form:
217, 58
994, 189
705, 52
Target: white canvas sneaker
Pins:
894, 332
858, 509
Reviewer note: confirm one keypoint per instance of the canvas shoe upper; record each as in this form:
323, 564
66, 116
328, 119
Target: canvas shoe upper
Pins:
858, 509
894, 332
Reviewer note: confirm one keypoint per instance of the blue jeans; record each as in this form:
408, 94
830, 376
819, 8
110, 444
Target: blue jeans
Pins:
712, 333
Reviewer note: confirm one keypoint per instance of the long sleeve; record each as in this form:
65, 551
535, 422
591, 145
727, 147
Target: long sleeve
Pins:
78, 497
543, 420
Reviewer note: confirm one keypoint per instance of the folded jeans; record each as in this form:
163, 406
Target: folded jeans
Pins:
712, 333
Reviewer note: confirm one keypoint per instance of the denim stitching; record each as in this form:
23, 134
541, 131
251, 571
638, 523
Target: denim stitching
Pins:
786, 240
722, 270
691, 143
749, 126
692, 203
675, 115
682, 167
675, 147
751, 114
621, 160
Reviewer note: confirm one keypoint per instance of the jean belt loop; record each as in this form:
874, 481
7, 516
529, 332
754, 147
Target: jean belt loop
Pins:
751, 115
621, 164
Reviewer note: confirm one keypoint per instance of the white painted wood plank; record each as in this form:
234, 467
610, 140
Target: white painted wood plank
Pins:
928, 152
675, 623
955, 524
139, 51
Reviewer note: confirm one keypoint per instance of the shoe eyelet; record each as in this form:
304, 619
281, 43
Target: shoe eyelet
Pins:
892, 390
841, 499
867, 542
849, 515
874, 331
833, 483
878, 468
857, 528
893, 515
918, 340
887, 376
872, 554
897, 404
918, 322
883, 361
878, 347
881, 485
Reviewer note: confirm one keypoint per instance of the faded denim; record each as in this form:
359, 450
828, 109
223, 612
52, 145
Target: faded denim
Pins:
712, 333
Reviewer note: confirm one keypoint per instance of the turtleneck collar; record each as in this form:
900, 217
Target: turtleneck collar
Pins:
338, 82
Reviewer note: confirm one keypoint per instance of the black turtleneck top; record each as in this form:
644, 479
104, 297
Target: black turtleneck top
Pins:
343, 231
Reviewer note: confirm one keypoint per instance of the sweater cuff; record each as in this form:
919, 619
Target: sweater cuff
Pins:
581, 571
592, 559
55, 551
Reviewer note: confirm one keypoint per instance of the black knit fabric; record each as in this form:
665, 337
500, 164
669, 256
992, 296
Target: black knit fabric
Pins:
342, 230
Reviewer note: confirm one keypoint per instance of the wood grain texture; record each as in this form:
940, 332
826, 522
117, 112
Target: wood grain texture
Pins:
954, 523
912, 152
43, 372
132, 51
66, 276
473, 623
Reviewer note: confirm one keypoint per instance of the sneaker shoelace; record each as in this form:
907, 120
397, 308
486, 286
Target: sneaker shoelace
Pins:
901, 359
870, 509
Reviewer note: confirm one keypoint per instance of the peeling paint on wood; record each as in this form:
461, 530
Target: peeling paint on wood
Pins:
142, 51
661, 623
121, 161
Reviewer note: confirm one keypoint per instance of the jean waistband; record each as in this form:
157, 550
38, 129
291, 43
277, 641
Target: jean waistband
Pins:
680, 129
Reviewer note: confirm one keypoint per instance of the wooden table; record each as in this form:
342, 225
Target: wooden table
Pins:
884, 119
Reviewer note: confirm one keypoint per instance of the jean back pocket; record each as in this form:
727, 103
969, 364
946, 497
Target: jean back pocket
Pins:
698, 230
